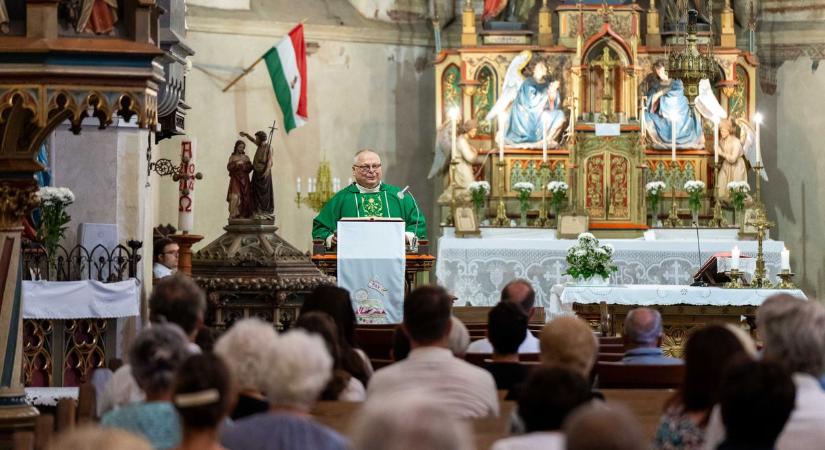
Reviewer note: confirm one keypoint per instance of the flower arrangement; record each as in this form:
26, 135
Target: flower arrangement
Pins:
479, 190
695, 189
524, 189
53, 216
654, 190
558, 189
738, 190
587, 258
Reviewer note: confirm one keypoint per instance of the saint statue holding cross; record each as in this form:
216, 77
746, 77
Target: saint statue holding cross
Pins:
262, 195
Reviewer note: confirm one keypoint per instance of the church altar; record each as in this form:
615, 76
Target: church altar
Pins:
475, 269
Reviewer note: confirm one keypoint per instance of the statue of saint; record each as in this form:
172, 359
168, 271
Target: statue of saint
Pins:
262, 196
97, 17
528, 108
507, 10
668, 112
732, 156
466, 155
239, 194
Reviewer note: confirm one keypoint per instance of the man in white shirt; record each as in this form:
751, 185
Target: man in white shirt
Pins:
521, 293
462, 389
175, 299
165, 252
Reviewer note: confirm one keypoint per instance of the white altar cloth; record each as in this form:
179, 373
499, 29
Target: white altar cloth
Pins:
80, 299
48, 396
475, 269
646, 295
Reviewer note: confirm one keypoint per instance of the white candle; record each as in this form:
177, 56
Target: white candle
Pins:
544, 137
309, 185
786, 260
716, 142
501, 138
758, 119
186, 186
734, 257
298, 185
673, 139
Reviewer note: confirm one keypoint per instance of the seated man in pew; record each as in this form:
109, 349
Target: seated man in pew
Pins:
642, 337
462, 389
505, 330
520, 293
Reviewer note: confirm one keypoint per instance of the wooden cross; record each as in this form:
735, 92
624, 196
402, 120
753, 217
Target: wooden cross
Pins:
607, 64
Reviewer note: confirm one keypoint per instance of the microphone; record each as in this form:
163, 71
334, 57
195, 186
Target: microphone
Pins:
697, 281
402, 191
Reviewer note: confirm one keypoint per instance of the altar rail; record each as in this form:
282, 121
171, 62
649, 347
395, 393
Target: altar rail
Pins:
76, 347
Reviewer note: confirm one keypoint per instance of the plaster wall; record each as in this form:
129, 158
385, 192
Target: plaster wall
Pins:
360, 95
792, 149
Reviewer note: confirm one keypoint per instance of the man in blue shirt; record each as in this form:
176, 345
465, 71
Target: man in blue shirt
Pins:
642, 337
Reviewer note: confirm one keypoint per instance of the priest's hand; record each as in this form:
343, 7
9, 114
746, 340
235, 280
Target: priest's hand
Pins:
334, 240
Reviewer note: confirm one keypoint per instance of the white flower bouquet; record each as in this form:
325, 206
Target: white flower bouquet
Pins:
53, 216
479, 190
738, 191
558, 191
654, 190
695, 189
524, 189
588, 258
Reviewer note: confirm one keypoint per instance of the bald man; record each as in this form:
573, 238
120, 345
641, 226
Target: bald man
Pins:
642, 338
519, 292
368, 196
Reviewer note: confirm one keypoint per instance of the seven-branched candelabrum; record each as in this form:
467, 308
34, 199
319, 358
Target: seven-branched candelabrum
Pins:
588, 258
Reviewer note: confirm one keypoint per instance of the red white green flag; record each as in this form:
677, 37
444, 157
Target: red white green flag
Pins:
287, 65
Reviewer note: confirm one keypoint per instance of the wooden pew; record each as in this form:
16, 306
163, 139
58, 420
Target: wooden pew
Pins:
617, 375
479, 359
609, 357
646, 404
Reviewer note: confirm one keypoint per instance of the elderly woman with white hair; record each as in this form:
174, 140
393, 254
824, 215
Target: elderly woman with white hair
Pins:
298, 368
244, 353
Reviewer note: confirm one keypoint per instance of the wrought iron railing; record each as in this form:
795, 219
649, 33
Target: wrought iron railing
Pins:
80, 263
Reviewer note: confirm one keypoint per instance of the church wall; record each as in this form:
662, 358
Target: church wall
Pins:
792, 147
360, 95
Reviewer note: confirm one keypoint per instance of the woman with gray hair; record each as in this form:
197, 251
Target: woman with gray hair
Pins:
244, 353
297, 367
155, 356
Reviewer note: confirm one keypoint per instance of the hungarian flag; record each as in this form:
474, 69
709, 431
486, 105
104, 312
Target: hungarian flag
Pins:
287, 64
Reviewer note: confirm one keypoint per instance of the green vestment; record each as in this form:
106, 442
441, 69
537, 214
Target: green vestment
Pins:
349, 202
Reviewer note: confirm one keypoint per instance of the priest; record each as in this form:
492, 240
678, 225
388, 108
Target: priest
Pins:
368, 197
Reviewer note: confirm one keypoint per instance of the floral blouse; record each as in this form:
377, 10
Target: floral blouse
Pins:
678, 431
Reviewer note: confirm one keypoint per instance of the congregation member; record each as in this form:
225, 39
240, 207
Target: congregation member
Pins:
154, 358
546, 399
175, 299
708, 353
244, 349
756, 400
368, 196
519, 292
203, 397
568, 341
342, 385
400, 344
793, 334
298, 369
92, 437
506, 325
459, 338
165, 253
599, 426
642, 336
410, 421
462, 389
336, 302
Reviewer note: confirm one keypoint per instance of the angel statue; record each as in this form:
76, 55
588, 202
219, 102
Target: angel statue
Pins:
466, 155
528, 108
668, 112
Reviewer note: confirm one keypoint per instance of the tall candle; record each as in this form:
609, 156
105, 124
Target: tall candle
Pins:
673, 139
309, 185
298, 185
716, 142
186, 186
758, 119
734, 257
786, 260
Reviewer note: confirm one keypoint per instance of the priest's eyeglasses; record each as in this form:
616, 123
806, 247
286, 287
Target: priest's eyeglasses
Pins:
365, 168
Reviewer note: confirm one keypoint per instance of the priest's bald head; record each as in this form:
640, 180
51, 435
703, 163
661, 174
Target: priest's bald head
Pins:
366, 168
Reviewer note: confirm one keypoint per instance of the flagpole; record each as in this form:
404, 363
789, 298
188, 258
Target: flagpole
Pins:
244, 73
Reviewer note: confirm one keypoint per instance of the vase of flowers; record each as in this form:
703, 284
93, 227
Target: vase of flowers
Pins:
738, 191
654, 191
524, 189
589, 262
558, 191
53, 221
479, 190
695, 190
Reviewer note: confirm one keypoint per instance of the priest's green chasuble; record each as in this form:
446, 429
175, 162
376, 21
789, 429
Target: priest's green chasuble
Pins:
350, 202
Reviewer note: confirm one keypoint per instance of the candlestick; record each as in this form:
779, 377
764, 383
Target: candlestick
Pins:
298, 185
758, 119
734, 257
786, 260
186, 186
716, 142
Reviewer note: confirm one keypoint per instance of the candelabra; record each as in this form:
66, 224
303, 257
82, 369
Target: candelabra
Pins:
762, 224
757, 200
320, 190
542, 220
673, 218
718, 220
786, 283
501, 219
735, 279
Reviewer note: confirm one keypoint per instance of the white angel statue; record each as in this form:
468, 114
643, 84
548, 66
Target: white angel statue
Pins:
466, 155
528, 107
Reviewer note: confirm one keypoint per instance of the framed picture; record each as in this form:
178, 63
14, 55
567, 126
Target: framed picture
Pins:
572, 225
746, 228
465, 222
